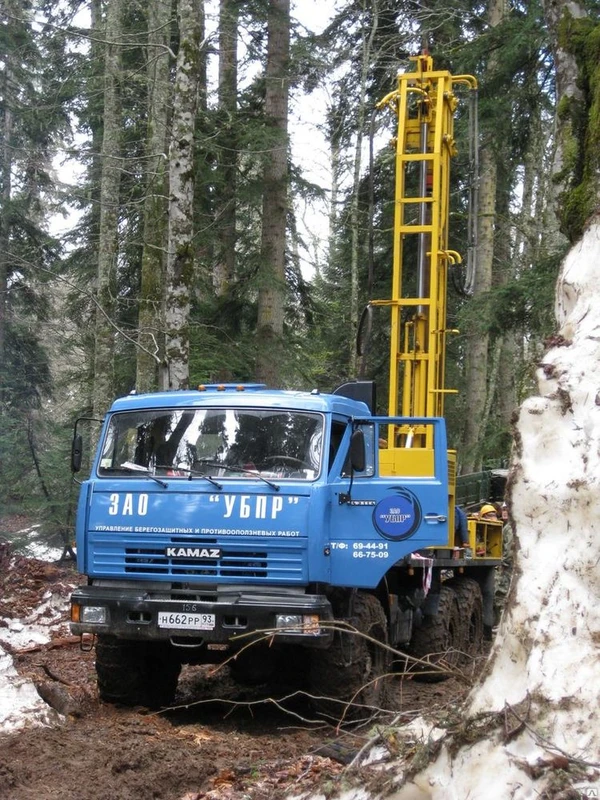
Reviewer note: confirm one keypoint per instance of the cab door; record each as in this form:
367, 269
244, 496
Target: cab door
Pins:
392, 504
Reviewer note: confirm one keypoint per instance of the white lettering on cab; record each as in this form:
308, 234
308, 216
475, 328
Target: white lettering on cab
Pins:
125, 505
246, 506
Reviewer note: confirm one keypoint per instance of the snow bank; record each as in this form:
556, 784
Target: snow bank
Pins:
548, 642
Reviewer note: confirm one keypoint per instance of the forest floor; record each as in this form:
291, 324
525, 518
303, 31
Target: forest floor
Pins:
219, 742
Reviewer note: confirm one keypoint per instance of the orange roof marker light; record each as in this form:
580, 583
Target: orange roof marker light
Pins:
234, 387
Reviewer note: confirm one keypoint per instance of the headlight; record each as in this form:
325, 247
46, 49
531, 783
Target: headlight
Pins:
96, 615
298, 623
293, 621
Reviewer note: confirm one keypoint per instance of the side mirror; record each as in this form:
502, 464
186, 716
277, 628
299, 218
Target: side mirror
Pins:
76, 452
358, 456
77, 461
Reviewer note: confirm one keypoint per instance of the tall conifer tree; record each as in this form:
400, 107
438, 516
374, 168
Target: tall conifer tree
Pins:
272, 286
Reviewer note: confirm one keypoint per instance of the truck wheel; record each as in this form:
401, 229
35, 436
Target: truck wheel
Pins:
438, 639
470, 607
348, 670
136, 673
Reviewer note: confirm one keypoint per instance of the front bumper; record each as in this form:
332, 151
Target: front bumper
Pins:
132, 612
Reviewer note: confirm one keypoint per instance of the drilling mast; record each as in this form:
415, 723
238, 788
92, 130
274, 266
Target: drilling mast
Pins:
424, 103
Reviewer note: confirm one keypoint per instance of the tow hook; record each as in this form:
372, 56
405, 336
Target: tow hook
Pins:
87, 642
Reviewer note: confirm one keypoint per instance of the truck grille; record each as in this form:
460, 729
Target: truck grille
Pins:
270, 562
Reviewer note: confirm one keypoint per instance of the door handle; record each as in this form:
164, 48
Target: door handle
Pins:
435, 518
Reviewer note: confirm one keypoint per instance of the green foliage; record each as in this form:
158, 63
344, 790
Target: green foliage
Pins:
524, 303
35, 481
60, 85
34, 74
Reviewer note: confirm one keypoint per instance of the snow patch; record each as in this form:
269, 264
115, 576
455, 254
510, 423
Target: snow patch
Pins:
30, 543
478, 772
548, 643
20, 704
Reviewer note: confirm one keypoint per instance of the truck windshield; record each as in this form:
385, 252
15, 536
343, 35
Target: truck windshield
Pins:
213, 442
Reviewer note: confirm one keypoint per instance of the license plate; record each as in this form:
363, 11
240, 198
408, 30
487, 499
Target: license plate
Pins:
190, 622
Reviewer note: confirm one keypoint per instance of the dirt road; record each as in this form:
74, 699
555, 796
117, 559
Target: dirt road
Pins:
221, 742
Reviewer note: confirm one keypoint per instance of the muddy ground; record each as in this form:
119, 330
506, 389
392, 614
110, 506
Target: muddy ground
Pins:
220, 742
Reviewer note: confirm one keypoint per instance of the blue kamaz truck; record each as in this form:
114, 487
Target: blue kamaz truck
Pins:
239, 520
296, 532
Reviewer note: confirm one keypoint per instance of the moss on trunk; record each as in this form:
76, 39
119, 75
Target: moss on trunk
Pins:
580, 123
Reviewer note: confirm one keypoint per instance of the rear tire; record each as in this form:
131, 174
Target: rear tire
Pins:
136, 673
438, 640
470, 606
351, 670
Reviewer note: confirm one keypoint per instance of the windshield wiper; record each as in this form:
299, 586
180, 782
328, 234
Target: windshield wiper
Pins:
192, 474
209, 478
238, 468
129, 466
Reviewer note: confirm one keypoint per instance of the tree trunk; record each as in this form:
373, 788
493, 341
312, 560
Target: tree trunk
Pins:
108, 242
476, 360
155, 204
180, 255
335, 153
524, 256
569, 88
501, 389
5, 196
225, 215
478, 343
272, 285
367, 48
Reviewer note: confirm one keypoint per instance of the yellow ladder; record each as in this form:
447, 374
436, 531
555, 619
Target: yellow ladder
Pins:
425, 104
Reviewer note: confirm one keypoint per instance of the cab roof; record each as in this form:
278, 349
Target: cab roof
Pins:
243, 396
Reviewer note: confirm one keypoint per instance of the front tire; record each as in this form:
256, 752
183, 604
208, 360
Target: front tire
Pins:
135, 673
352, 669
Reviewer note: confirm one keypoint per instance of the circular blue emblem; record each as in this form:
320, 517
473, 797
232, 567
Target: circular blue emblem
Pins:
397, 517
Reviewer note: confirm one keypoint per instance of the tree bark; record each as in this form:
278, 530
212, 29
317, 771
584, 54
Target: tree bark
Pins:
366, 52
476, 360
572, 101
155, 204
5, 197
180, 255
109, 214
477, 351
225, 216
335, 156
272, 284
525, 254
